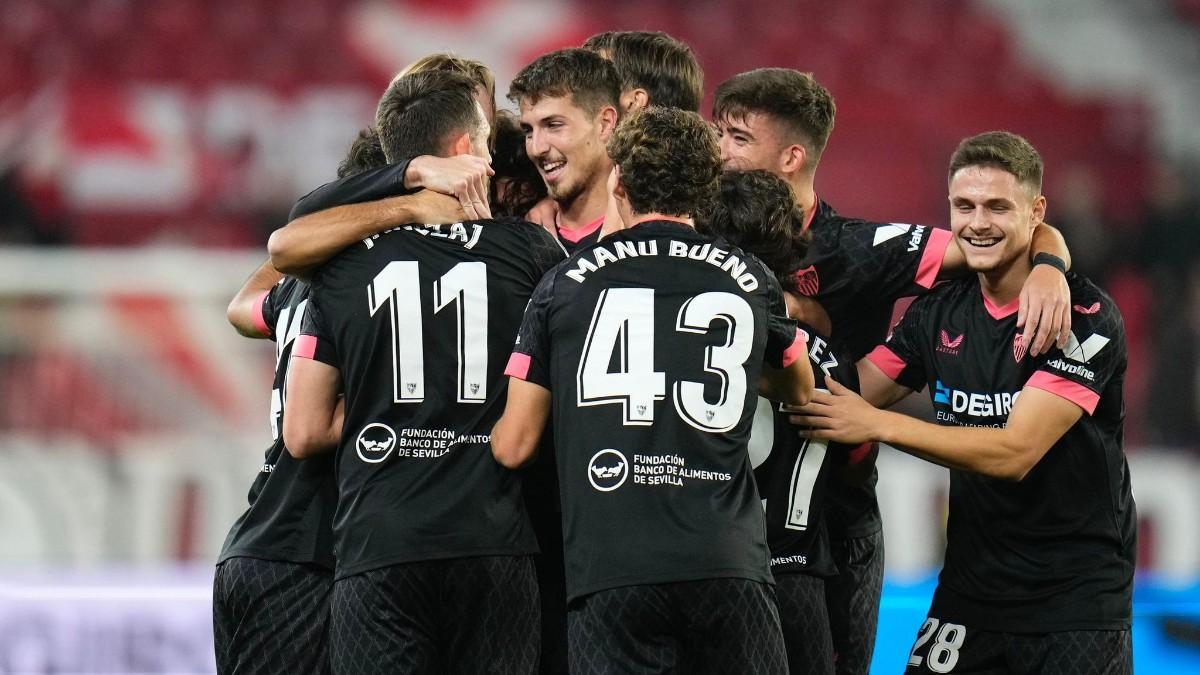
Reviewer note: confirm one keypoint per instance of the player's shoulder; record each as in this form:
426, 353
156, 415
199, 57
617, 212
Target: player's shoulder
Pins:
1092, 307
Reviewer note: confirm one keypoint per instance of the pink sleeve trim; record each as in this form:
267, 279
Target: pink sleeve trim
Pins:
1060, 386
518, 366
931, 259
857, 455
887, 361
260, 322
305, 347
796, 349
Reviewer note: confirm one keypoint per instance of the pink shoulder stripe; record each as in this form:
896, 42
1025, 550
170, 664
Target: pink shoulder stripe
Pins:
797, 349
931, 259
260, 322
518, 366
1072, 391
305, 347
887, 361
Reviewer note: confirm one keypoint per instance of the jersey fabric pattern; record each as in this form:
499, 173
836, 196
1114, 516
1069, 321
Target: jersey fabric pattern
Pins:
857, 269
419, 321
794, 477
270, 617
651, 343
1054, 551
711, 626
963, 650
291, 501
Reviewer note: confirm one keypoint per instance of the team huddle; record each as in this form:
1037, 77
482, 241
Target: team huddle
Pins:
598, 386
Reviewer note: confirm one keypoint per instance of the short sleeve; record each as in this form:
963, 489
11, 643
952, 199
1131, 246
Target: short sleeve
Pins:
1095, 353
530, 360
387, 181
270, 303
894, 260
786, 341
901, 357
314, 341
545, 251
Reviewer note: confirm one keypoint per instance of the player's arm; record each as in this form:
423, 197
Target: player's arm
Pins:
793, 382
515, 437
1038, 419
316, 232
1044, 309
312, 411
245, 311
306, 243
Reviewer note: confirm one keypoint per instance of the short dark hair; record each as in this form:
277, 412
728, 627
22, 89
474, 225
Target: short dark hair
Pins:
669, 161
793, 98
665, 67
365, 153
1002, 150
476, 70
517, 185
756, 210
421, 111
590, 79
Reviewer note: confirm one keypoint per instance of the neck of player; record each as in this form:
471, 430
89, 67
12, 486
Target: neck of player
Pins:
806, 195
1003, 284
586, 208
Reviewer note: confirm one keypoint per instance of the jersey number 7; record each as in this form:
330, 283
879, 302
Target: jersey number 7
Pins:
623, 322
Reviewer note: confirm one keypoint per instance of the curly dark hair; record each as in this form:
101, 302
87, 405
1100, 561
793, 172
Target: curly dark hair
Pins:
791, 97
756, 211
517, 186
669, 161
365, 153
590, 79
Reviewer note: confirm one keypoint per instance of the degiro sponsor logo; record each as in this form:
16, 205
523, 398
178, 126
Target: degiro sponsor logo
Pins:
974, 404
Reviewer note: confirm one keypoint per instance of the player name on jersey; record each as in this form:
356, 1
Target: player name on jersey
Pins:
598, 257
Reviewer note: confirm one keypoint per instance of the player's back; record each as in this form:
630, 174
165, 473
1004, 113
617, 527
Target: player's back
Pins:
420, 320
652, 347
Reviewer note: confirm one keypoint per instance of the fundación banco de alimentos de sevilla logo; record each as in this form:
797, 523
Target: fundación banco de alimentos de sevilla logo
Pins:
608, 470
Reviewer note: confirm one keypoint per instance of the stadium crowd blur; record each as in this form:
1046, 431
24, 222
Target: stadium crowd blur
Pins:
906, 93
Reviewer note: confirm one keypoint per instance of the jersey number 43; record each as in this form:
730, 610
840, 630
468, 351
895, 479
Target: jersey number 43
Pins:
623, 322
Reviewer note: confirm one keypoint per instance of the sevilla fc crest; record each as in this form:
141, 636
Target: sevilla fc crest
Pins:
1019, 347
807, 281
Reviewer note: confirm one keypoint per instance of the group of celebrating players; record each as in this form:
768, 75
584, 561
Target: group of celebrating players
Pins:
708, 343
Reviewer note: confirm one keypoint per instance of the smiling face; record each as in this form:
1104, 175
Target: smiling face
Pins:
566, 144
750, 142
992, 216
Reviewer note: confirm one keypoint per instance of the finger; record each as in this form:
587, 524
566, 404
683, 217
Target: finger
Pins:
1028, 333
834, 387
479, 188
809, 420
1045, 332
1064, 330
1022, 308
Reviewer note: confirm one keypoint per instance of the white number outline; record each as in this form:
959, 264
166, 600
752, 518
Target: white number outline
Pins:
725, 361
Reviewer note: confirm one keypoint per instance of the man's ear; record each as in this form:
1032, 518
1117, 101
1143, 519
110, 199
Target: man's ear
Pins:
634, 99
793, 159
607, 119
614, 183
461, 145
1039, 209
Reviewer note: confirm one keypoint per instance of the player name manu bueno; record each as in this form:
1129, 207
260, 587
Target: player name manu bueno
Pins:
453, 232
622, 250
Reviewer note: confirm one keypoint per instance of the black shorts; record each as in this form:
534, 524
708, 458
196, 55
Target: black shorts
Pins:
717, 626
852, 597
271, 617
462, 615
943, 647
805, 623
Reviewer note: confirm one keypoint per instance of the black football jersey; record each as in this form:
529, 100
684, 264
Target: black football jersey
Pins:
794, 473
420, 322
573, 240
857, 270
386, 181
651, 343
291, 501
1054, 551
